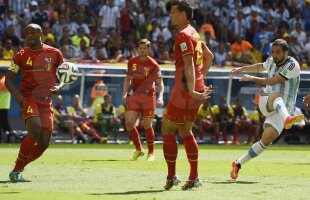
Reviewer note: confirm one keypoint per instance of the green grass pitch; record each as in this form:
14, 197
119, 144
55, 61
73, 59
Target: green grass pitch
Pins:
104, 172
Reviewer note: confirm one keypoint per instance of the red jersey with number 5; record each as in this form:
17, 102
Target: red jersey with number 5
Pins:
38, 71
143, 73
187, 41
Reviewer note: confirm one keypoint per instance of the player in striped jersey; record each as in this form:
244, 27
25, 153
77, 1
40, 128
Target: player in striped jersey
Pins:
277, 100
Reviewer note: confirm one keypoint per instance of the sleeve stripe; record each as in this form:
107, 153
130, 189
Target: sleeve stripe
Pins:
188, 54
283, 76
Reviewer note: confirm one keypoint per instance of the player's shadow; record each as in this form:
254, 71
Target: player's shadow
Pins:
234, 182
108, 160
8, 181
128, 192
10, 192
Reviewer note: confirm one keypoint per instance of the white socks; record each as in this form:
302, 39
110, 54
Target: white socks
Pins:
279, 107
254, 151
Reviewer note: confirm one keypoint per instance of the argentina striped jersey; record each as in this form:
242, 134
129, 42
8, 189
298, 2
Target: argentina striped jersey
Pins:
290, 70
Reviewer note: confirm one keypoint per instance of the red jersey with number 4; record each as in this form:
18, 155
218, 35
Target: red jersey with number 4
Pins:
187, 41
38, 71
143, 73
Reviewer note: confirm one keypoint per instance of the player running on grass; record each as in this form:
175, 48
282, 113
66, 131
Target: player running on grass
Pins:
142, 72
193, 60
277, 100
37, 64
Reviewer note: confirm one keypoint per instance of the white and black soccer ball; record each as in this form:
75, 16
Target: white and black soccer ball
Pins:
67, 72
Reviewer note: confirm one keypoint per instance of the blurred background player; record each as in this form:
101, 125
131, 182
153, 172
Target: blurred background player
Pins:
224, 115
277, 100
243, 123
193, 60
205, 121
142, 72
37, 64
64, 120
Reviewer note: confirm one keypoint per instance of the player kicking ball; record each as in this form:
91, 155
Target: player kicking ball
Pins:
37, 64
142, 72
277, 100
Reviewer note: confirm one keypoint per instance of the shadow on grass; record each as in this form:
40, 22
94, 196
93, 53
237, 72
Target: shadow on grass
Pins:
109, 160
301, 163
235, 182
10, 192
4, 182
128, 192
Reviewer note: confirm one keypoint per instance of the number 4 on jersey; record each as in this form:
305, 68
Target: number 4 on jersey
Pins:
29, 110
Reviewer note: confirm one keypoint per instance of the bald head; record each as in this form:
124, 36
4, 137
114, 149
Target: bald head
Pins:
35, 27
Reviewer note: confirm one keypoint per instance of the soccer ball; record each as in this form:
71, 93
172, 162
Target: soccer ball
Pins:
67, 72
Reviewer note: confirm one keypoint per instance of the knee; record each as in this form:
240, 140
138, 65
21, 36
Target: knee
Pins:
267, 141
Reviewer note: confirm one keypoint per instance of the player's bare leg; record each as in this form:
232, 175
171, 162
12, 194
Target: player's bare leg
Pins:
269, 135
276, 102
131, 118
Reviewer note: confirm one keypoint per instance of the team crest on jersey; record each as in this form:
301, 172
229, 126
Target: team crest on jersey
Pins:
183, 46
146, 71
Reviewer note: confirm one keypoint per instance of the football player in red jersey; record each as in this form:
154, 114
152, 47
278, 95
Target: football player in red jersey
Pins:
192, 62
142, 72
37, 64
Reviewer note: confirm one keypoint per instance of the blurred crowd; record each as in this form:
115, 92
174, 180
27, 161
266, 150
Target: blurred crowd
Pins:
237, 31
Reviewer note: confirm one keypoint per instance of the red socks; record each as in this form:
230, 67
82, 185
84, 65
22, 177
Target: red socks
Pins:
25, 148
191, 148
170, 148
135, 138
150, 137
35, 153
28, 152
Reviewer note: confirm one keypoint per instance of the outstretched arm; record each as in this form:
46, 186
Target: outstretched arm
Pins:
249, 68
264, 81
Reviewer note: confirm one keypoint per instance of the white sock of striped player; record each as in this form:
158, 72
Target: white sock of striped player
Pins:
254, 151
279, 107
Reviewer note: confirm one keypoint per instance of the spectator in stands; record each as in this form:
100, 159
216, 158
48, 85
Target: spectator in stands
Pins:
75, 25
110, 123
76, 39
7, 51
58, 27
299, 34
109, 17
5, 103
205, 121
238, 25
65, 38
41, 15
262, 40
46, 33
220, 55
10, 34
240, 50
211, 43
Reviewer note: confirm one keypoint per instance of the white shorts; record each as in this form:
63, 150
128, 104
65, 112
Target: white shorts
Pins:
272, 117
